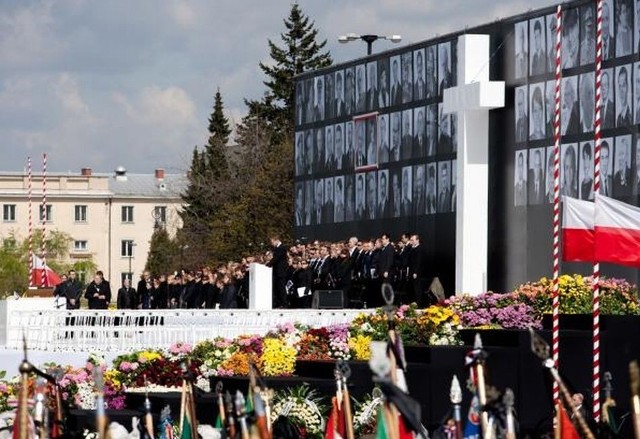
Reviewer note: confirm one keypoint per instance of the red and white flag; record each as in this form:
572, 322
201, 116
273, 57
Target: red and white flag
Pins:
617, 237
40, 270
578, 235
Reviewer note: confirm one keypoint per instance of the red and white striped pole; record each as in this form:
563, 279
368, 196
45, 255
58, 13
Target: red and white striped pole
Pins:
29, 196
555, 342
44, 282
596, 183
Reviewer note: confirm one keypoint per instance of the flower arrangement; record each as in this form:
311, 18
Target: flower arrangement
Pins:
491, 310
212, 354
8, 391
278, 358
438, 325
162, 368
303, 407
360, 347
365, 416
339, 341
314, 345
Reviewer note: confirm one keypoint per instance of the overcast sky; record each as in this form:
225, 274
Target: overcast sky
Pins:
131, 82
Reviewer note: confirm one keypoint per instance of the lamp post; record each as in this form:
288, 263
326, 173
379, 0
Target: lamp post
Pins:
369, 39
131, 246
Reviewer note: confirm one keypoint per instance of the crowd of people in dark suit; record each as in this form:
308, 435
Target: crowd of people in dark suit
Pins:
357, 268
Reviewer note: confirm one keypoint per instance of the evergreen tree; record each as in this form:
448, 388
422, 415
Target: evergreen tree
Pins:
162, 251
215, 150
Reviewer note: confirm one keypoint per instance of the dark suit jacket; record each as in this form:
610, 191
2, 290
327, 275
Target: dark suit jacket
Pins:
446, 81
228, 297
445, 145
385, 261
521, 129
444, 201
586, 190
417, 260
533, 197
573, 127
279, 261
327, 212
620, 189
624, 118
127, 298
420, 204
609, 113
606, 185
396, 94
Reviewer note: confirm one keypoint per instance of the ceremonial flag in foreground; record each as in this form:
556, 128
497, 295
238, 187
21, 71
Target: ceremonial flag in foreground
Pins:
567, 429
335, 424
578, 233
617, 232
472, 427
42, 270
187, 413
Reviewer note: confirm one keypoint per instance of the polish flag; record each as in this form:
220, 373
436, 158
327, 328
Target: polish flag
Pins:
617, 232
577, 230
40, 270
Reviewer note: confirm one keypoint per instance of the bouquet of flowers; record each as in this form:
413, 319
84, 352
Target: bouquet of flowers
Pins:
303, 407
278, 358
314, 344
339, 341
8, 391
438, 325
365, 416
360, 347
212, 354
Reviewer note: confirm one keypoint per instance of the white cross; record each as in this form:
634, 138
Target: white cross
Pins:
471, 100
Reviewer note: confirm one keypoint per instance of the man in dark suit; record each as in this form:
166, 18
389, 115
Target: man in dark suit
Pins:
536, 180
606, 181
624, 111
538, 59
127, 298
570, 102
521, 122
431, 189
419, 140
419, 200
445, 144
396, 88
386, 259
280, 266
586, 184
446, 78
608, 51
340, 105
417, 271
622, 178
608, 109
444, 197
328, 207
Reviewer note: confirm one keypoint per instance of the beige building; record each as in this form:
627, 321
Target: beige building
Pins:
110, 217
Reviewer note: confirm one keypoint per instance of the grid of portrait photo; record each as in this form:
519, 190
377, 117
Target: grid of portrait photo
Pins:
534, 104
372, 141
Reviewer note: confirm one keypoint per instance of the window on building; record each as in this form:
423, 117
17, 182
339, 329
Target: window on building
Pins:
9, 212
81, 213
48, 217
126, 248
160, 214
127, 214
80, 246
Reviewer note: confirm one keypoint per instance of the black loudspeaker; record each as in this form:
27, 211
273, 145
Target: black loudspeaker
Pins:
328, 299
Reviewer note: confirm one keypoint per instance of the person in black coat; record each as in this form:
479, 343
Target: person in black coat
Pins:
387, 259
228, 297
242, 287
417, 270
279, 264
144, 290
98, 292
127, 296
162, 293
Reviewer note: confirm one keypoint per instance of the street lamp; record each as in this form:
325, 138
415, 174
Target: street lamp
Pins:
369, 39
131, 246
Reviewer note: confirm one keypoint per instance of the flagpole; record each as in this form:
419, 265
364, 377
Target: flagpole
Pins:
29, 196
556, 206
44, 282
596, 182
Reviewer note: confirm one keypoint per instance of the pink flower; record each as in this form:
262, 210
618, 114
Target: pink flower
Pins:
3, 387
89, 366
65, 395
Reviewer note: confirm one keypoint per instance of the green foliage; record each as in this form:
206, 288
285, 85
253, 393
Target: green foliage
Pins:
162, 251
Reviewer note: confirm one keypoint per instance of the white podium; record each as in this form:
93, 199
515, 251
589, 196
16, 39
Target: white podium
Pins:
260, 286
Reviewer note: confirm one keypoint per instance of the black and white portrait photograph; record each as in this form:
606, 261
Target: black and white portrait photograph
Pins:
338, 140
444, 187
372, 192
310, 99
606, 167
419, 79
522, 49
361, 210
552, 36
338, 199
396, 136
318, 104
608, 109
623, 96
454, 181
300, 103
432, 129
445, 143
339, 104
550, 107
419, 132
361, 90
624, 27
570, 108
419, 191
608, 34
384, 90
636, 30
308, 201
349, 91
328, 206
318, 161
383, 138
587, 86
522, 116
372, 141
299, 214
360, 152
308, 152
407, 77
520, 178
569, 170
535, 178
445, 75
318, 202
372, 85
453, 130
432, 188
329, 93
586, 171
406, 191
622, 170
407, 135
570, 38
538, 48
383, 194
349, 198
431, 60
549, 191
396, 80
299, 152
636, 174
348, 156
588, 35
536, 112
395, 193
636, 93
329, 150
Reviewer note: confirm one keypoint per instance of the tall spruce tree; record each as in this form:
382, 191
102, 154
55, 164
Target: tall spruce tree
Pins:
215, 150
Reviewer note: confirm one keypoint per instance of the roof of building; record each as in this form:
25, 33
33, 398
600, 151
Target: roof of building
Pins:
147, 185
